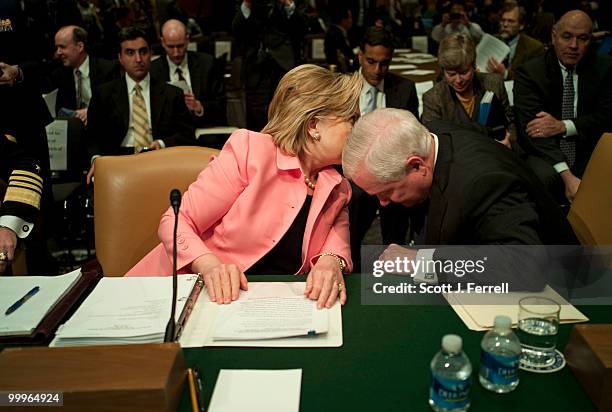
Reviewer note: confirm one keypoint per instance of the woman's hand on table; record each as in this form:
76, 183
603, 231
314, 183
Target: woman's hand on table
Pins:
223, 280
325, 283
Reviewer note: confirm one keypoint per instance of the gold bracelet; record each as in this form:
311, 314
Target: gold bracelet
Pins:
340, 260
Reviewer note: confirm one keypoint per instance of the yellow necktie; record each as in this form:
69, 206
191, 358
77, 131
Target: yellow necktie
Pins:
140, 121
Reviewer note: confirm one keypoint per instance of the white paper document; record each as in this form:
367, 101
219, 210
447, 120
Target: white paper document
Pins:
24, 320
418, 72
481, 315
215, 130
509, 85
125, 310
181, 84
57, 142
318, 49
402, 66
420, 43
270, 318
50, 99
421, 88
262, 298
257, 391
488, 47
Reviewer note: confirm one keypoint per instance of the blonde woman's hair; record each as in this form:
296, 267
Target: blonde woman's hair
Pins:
309, 92
457, 52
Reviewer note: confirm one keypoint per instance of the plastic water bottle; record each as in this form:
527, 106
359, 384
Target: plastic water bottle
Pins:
451, 377
500, 356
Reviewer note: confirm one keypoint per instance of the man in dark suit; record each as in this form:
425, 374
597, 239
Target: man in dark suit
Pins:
338, 49
205, 98
136, 112
477, 191
522, 47
380, 89
79, 75
563, 102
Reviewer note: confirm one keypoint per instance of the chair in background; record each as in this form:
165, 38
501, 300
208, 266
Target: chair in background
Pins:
590, 212
130, 195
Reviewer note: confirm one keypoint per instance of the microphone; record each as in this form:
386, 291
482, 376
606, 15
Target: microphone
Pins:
175, 202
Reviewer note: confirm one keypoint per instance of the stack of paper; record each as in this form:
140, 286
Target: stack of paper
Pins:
478, 311
126, 310
257, 391
488, 47
24, 320
269, 314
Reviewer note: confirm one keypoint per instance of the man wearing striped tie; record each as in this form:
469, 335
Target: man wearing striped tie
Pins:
563, 102
136, 112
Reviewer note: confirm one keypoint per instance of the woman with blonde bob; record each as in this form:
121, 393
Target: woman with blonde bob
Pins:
271, 202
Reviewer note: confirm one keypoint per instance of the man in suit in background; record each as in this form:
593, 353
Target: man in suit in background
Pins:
522, 47
338, 49
80, 73
136, 112
477, 192
563, 101
380, 89
206, 96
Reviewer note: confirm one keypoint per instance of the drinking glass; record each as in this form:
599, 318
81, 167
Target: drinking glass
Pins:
538, 325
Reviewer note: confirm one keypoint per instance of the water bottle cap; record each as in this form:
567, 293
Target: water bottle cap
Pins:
452, 343
502, 322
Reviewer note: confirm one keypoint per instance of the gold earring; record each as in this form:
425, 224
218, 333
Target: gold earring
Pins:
316, 136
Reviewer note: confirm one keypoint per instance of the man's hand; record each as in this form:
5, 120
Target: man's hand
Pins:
571, 183
193, 104
223, 281
81, 114
9, 73
394, 252
507, 140
325, 283
545, 125
155, 145
8, 242
493, 66
90, 174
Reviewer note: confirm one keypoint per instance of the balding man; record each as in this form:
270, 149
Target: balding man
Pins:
80, 73
563, 103
206, 98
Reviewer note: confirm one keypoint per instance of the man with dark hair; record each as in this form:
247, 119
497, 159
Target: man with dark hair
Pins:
522, 47
563, 102
136, 112
338, 50
380, 89
205, 98
80, 73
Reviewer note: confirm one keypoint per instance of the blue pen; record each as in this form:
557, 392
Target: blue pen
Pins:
21, 301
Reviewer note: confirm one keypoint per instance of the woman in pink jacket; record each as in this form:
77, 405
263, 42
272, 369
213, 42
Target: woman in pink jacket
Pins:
271, 202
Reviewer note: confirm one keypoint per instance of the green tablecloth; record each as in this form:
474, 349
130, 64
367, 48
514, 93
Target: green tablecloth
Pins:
384, 362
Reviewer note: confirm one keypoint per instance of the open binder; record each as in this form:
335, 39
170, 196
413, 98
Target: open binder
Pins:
42, 334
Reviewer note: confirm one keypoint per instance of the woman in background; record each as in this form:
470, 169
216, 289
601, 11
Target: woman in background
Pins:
271, 202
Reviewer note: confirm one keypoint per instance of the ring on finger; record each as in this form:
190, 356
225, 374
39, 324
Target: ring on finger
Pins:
3, 255
340, 287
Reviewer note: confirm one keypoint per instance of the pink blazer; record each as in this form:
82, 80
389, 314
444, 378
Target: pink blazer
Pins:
244, 202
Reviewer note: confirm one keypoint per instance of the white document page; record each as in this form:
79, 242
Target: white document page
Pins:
419, 43
57, 142
200, 329
318, 49
181, 84
123, 307
215, 130
509, 85
270, 318
480, 316
488, 47
223, 47
419, 72
421, 88
257, 391
24, 320
400, 50
401, 66
50, 99
192, 46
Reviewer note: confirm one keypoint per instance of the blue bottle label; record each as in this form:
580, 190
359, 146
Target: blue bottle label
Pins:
499, 369
450, 393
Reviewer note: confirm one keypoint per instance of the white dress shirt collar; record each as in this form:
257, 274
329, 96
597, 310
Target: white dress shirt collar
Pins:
84, 68
144, 84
